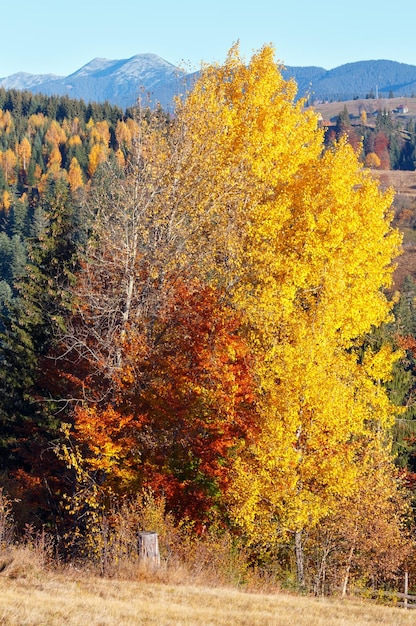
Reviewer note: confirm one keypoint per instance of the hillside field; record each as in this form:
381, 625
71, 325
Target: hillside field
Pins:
330, 110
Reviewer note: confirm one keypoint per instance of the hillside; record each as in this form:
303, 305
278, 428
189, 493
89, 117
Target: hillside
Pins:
331, 109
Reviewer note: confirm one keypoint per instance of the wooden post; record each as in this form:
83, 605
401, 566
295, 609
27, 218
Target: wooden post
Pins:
406, 588
148, 546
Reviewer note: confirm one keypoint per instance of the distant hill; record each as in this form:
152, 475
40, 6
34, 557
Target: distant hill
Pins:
122, 81
355, 80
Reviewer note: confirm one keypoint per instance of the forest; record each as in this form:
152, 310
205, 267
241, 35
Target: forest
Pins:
384, 140
198, 311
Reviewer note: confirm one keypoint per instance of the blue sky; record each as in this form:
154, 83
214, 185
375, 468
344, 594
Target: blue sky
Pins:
59, 37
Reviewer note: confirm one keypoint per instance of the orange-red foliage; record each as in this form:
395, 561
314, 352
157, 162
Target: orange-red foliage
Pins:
381, 144
180, 404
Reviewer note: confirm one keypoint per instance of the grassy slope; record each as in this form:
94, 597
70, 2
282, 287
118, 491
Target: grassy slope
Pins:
75, 601
330, 110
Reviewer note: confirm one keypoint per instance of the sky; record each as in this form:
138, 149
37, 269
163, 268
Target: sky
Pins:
60, 37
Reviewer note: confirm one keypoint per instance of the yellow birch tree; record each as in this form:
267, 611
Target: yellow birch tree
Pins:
300, 240
24, 151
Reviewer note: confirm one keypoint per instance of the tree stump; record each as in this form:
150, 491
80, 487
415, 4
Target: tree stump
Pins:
148, 546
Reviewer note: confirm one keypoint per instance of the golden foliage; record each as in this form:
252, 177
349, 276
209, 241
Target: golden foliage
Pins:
8, 162
75, 175
98, 154
100, 133
303, 247
6, 122
36, 121
55, 134
24, 151
74, 140
372, 160
6, 201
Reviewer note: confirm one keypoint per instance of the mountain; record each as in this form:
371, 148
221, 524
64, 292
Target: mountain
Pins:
121, 82
355, 80
23, 80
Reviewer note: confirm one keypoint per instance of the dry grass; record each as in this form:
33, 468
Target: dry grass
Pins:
405, 265
41, 598
404, 182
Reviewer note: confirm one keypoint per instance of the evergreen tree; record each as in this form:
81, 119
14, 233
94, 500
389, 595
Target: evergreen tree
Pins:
402, 387
407, 159
343, 123
27, 333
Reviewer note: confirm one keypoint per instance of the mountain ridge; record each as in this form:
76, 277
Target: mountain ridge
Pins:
122, 81
359, 78
119, 81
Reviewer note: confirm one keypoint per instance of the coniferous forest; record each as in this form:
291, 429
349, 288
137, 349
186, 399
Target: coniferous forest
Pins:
198, 313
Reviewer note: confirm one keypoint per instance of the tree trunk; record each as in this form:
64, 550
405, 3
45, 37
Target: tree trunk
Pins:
347, 570
406, 589
299, 558
321, 571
